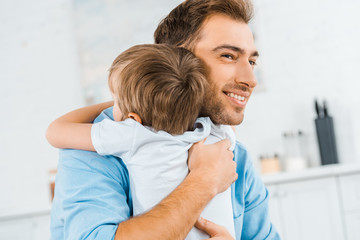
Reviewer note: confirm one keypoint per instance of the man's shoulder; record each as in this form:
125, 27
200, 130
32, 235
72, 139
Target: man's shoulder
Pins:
87, 161
241, 155
106, 114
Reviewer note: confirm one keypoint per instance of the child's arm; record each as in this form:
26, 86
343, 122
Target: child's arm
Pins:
73, 130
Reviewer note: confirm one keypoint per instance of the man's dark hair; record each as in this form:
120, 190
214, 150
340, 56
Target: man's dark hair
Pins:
183, 24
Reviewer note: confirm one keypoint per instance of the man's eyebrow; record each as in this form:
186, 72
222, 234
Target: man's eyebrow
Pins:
235, 49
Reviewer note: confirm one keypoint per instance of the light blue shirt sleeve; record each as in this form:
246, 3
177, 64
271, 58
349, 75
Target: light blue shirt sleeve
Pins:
250, 201
91, 195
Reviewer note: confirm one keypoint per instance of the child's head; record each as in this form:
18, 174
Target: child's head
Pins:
163, 84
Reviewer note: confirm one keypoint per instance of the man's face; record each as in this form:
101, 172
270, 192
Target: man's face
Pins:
226, 47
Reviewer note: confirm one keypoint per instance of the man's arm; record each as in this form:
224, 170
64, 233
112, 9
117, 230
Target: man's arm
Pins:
92, 198
176, 214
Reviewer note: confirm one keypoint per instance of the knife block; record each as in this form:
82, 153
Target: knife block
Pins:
326, 140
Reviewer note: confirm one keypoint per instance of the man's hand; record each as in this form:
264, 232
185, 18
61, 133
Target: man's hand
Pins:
213, 164
212, 170
215, 231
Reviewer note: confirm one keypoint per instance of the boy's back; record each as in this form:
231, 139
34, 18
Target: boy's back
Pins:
157, 163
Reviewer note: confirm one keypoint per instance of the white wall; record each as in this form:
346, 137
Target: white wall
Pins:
106, 28
39, 80
308, 49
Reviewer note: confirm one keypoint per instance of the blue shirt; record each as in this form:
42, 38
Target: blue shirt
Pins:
92, 196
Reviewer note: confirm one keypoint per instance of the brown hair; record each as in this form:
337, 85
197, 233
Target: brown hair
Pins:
163, 84
182, 26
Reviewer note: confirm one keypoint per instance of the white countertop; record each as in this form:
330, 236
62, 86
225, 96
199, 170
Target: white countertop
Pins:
24, 211
311, 173
273, 178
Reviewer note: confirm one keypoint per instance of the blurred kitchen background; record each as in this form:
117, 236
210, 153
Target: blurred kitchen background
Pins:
55, 56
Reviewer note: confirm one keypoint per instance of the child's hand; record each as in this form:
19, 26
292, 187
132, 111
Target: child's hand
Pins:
215, 231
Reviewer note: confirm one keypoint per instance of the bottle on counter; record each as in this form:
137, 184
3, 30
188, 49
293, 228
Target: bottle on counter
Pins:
294, 157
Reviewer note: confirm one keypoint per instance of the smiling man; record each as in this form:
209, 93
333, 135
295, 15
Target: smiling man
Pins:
92, 197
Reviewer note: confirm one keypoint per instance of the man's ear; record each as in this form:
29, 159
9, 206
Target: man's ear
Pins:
135, 116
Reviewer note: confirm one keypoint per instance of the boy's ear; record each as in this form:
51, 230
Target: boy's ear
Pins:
135, 116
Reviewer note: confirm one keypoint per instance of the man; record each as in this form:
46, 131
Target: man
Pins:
92, 198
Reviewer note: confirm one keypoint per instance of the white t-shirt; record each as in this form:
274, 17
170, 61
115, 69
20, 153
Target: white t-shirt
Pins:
157, 163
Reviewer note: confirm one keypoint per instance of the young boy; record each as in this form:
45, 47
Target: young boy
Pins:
158, 91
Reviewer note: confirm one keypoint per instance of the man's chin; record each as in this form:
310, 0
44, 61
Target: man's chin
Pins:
221, 115
228, 119
236, 121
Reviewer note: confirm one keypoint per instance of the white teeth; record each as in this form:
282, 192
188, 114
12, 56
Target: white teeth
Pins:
238, 97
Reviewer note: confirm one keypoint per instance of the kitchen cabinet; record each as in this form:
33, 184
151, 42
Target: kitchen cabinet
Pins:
352, 226
307, 210
350, 193
318, 203
275, 210
36, 227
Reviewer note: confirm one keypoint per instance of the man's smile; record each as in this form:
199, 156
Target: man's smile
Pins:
239, 99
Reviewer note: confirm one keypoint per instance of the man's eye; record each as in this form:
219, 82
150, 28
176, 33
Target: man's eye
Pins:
253, 63
228, 56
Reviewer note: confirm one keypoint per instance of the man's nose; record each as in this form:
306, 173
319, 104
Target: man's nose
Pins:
245, 74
